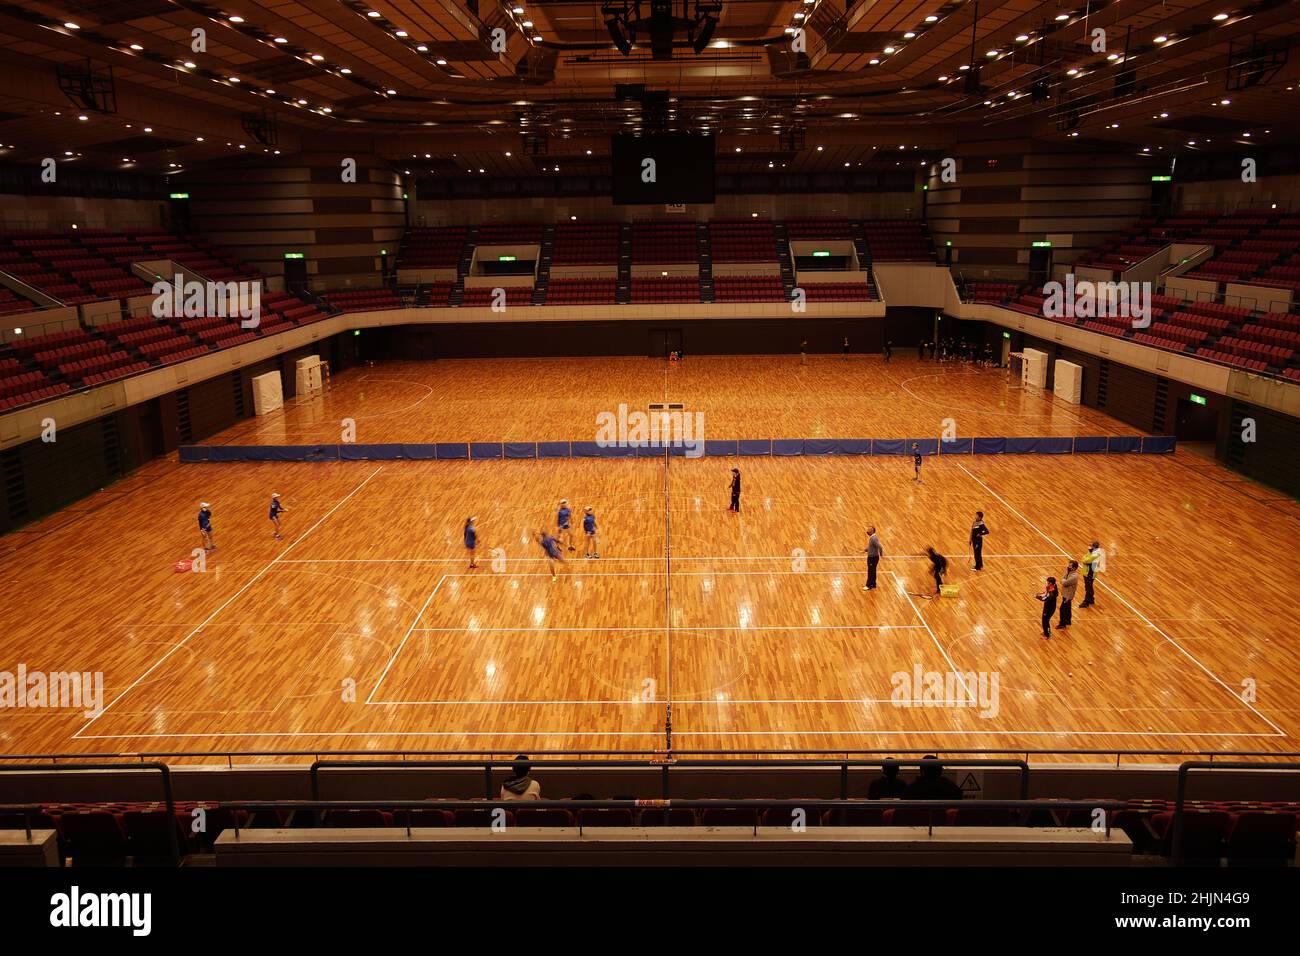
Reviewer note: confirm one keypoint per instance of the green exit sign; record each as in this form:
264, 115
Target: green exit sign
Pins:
820, 253
179, 196
506, 258
1041, 245
1162, 179
1196, 399
1006, 335
295, 255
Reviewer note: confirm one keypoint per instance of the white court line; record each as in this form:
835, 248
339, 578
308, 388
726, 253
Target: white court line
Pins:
392, 660
911, 732
652, 557
1213, 676
715, 627
902, 588
251, 581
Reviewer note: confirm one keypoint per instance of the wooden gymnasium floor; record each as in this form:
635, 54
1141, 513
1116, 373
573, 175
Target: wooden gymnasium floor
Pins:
756, 631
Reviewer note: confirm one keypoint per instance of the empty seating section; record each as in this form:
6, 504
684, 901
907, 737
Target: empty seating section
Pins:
11, 302
898, 240
585, 244
839, 291
40, 367
680, 289
995, 293
581, 291
509, 233
748, 289
94, 834
362, 300
797, 229
743, 240
437, 248
657, 242
514, 295
90, 265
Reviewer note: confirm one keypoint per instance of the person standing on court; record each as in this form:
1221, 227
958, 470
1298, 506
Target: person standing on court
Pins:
1091, 560
589, 531
1048, 597
735, 491
1069, 584
938, 567
874, 553
846, 348
277, 509
889, 351
978, 530
563, 524
916, 462
471, 540
803, 352
205, 526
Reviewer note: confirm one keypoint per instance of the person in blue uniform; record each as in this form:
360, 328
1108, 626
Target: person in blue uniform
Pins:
471, 541
205, 526
938, 567
564, 523
916, 462
277, 509
552, 549
592, 549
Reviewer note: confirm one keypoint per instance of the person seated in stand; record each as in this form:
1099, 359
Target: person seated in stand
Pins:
932, 784
887, 786
520, 785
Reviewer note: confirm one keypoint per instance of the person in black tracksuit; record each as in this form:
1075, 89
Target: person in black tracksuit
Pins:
735, 491
1048, 597
977, 532
938, 567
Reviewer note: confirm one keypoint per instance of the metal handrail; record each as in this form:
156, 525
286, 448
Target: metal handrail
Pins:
319, 807
26, 809
1176, 849
664, 767
172, 843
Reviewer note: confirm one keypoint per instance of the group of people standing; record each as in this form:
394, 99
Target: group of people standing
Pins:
1064, 591
553, 545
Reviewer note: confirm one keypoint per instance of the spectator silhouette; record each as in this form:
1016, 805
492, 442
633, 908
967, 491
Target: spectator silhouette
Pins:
887, 786
932, 784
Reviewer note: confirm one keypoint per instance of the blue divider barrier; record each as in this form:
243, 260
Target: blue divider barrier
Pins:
1123, 443
782, 447
452, 450
1158, 444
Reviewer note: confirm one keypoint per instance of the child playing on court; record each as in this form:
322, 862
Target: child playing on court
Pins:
563, 519
1048, 597
471, 540
916, 462
552, 549
205, 526
276, 510
592, 549
938, 567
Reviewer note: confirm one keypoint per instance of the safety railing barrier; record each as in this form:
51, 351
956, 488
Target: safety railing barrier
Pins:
1176, 848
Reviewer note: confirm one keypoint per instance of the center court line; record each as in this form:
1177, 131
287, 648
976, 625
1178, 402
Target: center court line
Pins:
251, 581
392, 660
1213, 676
652, 557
